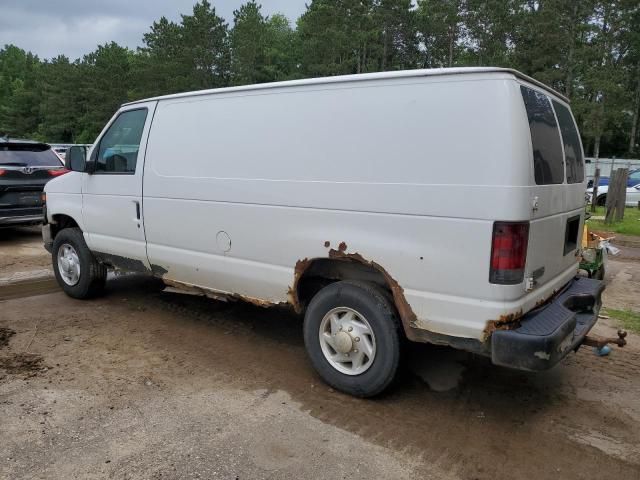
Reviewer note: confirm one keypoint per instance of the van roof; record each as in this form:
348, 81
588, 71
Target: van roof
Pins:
358, 78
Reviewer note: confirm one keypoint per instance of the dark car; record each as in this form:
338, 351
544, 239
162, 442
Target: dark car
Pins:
25, 167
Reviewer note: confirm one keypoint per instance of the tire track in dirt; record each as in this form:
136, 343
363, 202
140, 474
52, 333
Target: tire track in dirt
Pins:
28, 288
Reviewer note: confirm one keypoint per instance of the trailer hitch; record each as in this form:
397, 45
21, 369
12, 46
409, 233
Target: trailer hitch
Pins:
599, 342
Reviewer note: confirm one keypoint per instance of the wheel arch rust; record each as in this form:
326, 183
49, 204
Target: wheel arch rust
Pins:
304, 266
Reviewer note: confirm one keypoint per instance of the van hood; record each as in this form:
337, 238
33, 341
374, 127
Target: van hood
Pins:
68, 183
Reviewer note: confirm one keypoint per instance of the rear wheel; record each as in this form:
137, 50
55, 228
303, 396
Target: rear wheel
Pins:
601, 201
352, 336
76, 269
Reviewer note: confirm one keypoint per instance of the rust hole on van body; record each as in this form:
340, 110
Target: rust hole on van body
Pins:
509, 321
327, 244
292, 293
407, 315
210, 293
546, 300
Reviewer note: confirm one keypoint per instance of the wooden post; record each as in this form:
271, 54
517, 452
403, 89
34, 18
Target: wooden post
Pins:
616, 196
596, 180
611, 198
623, 176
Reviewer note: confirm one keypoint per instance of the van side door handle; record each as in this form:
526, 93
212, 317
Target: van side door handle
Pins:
137, 209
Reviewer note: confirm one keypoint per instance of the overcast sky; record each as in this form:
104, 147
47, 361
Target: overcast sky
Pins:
77, 27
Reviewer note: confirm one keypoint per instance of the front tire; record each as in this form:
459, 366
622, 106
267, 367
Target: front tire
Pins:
352, 335
76, 269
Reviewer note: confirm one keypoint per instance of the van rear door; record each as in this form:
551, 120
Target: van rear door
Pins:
557, 213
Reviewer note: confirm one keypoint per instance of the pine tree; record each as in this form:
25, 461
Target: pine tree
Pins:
249, 39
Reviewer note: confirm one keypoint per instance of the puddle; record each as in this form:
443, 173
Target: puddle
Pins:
440, 369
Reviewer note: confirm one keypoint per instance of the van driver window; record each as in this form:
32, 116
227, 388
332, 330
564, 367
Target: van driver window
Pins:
118, 151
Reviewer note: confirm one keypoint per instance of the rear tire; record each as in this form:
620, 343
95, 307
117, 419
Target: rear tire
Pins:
353, 338
77, 271
601, 201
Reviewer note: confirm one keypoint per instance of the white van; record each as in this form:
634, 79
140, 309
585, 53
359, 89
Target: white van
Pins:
441, 206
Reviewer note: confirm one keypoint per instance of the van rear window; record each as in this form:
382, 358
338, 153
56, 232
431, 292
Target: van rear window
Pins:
545, 138
571, 140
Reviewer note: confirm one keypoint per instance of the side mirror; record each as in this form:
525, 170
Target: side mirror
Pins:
637, 187
90, 166
76, 158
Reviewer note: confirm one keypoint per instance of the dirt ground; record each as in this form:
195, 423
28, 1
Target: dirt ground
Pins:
21, 253
147, 384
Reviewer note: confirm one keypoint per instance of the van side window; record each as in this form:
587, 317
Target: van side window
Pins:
118, 149
545, 138
571, 140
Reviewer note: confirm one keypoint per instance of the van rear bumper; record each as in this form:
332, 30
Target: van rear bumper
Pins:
547, 334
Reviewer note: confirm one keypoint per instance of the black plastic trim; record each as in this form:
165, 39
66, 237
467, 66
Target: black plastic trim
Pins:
548, 334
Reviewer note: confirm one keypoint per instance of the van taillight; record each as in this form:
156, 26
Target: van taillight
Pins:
508, 252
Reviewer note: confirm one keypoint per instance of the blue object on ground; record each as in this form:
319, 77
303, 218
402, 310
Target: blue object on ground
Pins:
601, 352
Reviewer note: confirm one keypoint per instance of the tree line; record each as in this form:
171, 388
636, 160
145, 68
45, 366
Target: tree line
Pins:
588, 50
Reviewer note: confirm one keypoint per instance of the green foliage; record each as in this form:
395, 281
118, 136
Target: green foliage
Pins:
628, 318
357, 36
205, 47
630, 224
587, 49
249, 45
441, 28
191, 55
104, 78
59, 85
20, 91
282, 49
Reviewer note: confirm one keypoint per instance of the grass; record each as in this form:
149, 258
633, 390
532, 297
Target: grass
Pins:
630, 225
629, 319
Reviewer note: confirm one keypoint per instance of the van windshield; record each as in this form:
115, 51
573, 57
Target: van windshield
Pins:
545, 138
571, 141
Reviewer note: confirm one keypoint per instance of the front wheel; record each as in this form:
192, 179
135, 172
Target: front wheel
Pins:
76, 269
352, 336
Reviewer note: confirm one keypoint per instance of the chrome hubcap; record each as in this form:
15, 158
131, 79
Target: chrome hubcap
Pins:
347, 341
68, 264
